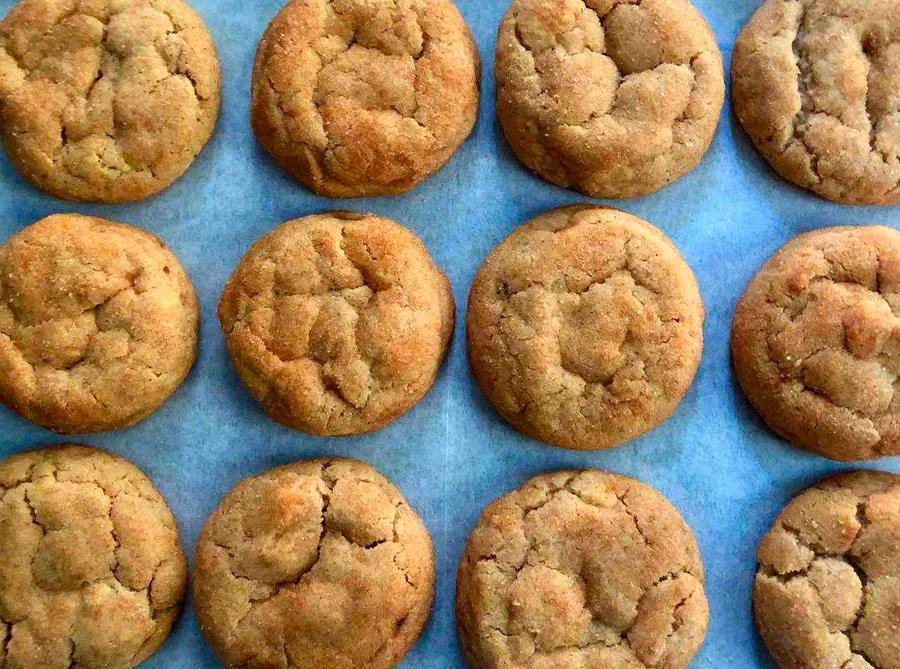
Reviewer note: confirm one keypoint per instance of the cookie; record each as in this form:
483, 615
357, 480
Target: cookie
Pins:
337, 323
815, 86
816, 342
108, 100
585, 327
613, 98
357, 98
827, 590
581, 569
98, 324
315, 564
91, 573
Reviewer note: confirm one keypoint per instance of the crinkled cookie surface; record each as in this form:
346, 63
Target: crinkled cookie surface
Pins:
315, 564
105, 100
828, 585
581, 569
337, 323
91, 568
365, 97
817, 87
816, 342
613, 98
585, 327
98, 324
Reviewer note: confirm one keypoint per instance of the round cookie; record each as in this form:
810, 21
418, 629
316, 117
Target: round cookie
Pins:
613, 98
581, 569
92, 573
357, 98
337, 323
108, 100
816, 342
815, 87
98, 324
315, 564
585, 327
827, 590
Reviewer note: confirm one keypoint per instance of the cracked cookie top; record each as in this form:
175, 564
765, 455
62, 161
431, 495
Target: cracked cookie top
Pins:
91, 571
816, 342
585, 327
613, 98
827, 588
98, 324
105, 100
581, 569
358, 98
315, 564
817, 87
337, 323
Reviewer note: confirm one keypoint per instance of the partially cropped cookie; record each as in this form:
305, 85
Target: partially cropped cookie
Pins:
91, 572
105, 101
613, 98
357, 98
98, 324
585, 327
827, 588
816, 342
581, 569
315, 564
337, 323
815, 86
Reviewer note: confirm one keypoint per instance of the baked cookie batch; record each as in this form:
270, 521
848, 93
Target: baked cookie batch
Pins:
584, 329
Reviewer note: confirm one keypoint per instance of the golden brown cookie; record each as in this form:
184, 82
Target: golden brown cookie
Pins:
91, 568
315, 564
357, 98
581, 569
816, 342
815, 86
337, 323
105, 100
827, 588
613, 98
98, 324
585, 327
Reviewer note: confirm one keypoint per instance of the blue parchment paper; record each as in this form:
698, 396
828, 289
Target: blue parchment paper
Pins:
452, 454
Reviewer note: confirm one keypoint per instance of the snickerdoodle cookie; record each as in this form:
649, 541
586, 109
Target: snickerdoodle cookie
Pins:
585, 327
816, 342
98, 324
105, 100
827, 588
91, 568
613, 98
365, 97
337, 323
315, 564
578, 570
815, 86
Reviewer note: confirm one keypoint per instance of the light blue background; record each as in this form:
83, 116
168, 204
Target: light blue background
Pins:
452, 454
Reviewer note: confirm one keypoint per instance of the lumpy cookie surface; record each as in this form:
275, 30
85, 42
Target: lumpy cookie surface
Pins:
98, 324
816, 87
365, 97
585, 327
337, 323
613, 98
315, 564
816, 342
581, 569
91, 568
105, 100
827, 590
